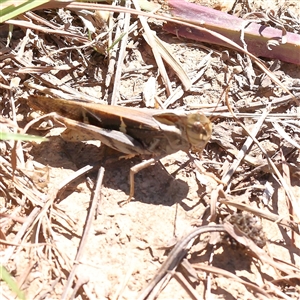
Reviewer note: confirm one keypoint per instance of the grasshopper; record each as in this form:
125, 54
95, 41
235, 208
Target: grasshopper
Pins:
132, 131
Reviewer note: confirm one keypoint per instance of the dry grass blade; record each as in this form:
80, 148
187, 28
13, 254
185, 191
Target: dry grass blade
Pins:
171, 61
245, 148
287, 178
294, 201
36, 70
221, 272
49, 202
185, 23
75, 5
125, 19
67, 93
152, 42
33, 26
53, 81
20, 234
87, 229
66, 54
281, 131
186, 285
176, 255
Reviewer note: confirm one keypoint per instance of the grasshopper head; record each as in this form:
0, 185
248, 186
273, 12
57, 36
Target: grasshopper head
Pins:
199, 129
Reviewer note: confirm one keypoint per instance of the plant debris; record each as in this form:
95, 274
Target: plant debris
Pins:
232, 213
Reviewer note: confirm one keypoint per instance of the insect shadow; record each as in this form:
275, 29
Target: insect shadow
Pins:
152, 185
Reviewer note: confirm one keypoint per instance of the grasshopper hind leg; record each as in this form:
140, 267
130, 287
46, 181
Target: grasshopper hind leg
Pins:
135, 169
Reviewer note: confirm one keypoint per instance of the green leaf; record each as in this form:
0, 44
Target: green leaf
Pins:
5, 276
21, 137
10, 9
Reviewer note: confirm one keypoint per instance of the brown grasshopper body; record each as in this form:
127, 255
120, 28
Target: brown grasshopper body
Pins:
133, 131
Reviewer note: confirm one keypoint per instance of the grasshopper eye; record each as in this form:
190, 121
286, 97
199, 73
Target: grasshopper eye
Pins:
199, 129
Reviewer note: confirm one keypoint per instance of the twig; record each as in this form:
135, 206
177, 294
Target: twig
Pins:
19, 235
245, 148
125, 20
221, 272
87, 228
176, 255
295, 202
80, 5
51, 198
186, 285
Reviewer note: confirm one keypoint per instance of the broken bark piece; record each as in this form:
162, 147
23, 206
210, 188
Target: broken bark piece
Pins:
260, 40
